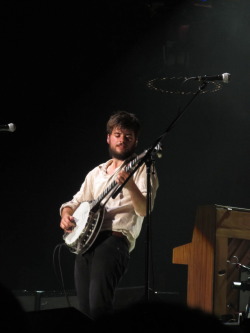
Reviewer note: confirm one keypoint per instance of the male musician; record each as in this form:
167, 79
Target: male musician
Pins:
99, 269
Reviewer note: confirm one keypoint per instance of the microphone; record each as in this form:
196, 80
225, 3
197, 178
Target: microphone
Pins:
8, 128
226, 77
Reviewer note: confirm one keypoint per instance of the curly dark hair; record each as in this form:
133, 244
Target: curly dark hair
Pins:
125, 120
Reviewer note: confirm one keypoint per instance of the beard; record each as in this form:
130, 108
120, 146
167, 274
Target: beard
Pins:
122, 156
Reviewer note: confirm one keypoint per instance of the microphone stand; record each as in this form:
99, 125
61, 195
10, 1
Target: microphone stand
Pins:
148, 159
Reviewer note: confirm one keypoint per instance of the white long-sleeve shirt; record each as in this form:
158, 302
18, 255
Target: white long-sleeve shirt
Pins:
120, 214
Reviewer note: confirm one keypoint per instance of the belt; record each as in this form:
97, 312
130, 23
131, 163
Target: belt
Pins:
113, 233
118, 234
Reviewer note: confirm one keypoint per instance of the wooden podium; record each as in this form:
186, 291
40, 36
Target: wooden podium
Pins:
220, 232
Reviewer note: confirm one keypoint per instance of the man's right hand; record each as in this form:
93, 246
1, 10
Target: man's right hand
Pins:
67, 221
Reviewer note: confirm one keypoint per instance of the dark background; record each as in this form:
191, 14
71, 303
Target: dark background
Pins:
65, 68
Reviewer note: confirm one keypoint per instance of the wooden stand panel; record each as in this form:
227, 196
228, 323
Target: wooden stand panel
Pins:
220, 232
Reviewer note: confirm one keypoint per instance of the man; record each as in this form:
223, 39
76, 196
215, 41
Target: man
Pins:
99, 269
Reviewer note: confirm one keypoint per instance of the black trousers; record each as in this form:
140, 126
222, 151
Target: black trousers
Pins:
98, 272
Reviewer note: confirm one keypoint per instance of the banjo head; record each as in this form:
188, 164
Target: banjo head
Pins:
80, 215
88, 224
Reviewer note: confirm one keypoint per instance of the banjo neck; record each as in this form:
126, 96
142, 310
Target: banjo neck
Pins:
94, 205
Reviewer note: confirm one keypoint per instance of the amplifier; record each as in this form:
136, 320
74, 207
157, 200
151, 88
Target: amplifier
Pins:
56, 300
45, 300
27, 299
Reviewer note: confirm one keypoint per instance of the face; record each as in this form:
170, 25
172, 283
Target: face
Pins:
122, 143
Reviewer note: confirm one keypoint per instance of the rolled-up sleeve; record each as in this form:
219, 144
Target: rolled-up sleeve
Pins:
84, 194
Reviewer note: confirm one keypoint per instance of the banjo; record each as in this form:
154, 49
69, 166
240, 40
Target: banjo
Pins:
89, 217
